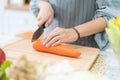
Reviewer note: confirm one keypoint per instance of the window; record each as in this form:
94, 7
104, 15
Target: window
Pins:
17, 4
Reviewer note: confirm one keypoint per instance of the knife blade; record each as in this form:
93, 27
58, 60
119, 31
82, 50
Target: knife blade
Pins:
38, 32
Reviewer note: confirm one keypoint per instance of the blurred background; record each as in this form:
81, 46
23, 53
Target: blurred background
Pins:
15, 17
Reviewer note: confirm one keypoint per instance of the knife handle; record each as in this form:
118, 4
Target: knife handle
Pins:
43, 26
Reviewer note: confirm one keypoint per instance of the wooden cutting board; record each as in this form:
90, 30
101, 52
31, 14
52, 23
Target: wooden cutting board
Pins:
24, 47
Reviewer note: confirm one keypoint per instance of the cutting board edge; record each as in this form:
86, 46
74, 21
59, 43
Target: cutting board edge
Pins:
94, 62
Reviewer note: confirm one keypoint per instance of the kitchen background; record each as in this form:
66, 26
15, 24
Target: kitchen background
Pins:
15, 17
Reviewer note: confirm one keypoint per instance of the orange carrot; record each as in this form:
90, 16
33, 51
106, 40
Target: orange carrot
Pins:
62, 50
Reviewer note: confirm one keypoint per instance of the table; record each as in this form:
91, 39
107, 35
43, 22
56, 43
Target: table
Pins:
113, 68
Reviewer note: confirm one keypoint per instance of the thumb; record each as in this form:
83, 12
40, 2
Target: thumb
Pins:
41, 22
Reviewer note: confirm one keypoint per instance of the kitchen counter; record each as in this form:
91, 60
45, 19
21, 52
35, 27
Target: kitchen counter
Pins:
4, 39
113, 68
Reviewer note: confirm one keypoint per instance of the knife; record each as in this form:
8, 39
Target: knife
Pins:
38, 33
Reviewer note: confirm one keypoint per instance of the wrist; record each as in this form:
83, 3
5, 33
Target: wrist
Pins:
77, 32
43, 3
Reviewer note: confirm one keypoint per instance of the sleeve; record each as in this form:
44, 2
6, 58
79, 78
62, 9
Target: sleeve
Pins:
107, 9
34, 6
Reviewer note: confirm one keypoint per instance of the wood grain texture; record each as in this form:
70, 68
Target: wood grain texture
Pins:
24, 47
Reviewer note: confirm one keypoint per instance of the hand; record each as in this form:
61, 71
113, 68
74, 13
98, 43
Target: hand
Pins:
46, 14
60, 35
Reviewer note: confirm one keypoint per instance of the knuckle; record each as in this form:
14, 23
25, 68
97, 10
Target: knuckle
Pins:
50, 37
55, 39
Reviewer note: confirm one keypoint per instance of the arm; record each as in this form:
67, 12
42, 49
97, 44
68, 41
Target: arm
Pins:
106, 10
92, 27
60, 35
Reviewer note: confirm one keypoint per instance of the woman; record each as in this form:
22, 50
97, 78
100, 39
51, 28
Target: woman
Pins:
80, 21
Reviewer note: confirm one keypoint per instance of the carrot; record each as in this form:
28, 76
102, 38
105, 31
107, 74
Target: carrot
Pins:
62, 50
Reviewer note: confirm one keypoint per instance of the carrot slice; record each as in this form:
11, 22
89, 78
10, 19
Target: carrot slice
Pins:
62, 50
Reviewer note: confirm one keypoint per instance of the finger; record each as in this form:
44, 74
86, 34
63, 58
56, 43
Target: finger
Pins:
52, 41
39, 18
58, 42
50, 37
41, 22
53, 32
49, 21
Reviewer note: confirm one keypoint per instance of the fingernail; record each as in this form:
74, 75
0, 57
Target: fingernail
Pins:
47, 45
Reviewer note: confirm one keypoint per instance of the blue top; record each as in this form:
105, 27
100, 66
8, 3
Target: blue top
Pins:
70, 13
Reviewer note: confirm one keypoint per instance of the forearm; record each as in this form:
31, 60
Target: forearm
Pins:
92, 27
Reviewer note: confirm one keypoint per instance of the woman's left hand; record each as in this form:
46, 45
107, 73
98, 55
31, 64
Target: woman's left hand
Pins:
60, 35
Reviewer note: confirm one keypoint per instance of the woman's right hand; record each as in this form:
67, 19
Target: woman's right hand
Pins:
46, 14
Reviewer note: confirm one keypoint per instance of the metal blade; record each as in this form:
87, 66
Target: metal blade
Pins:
38, 33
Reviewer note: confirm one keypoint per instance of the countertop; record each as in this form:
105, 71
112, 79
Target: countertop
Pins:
113, 67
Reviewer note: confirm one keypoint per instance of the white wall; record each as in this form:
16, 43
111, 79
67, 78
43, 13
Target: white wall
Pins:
15, 21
